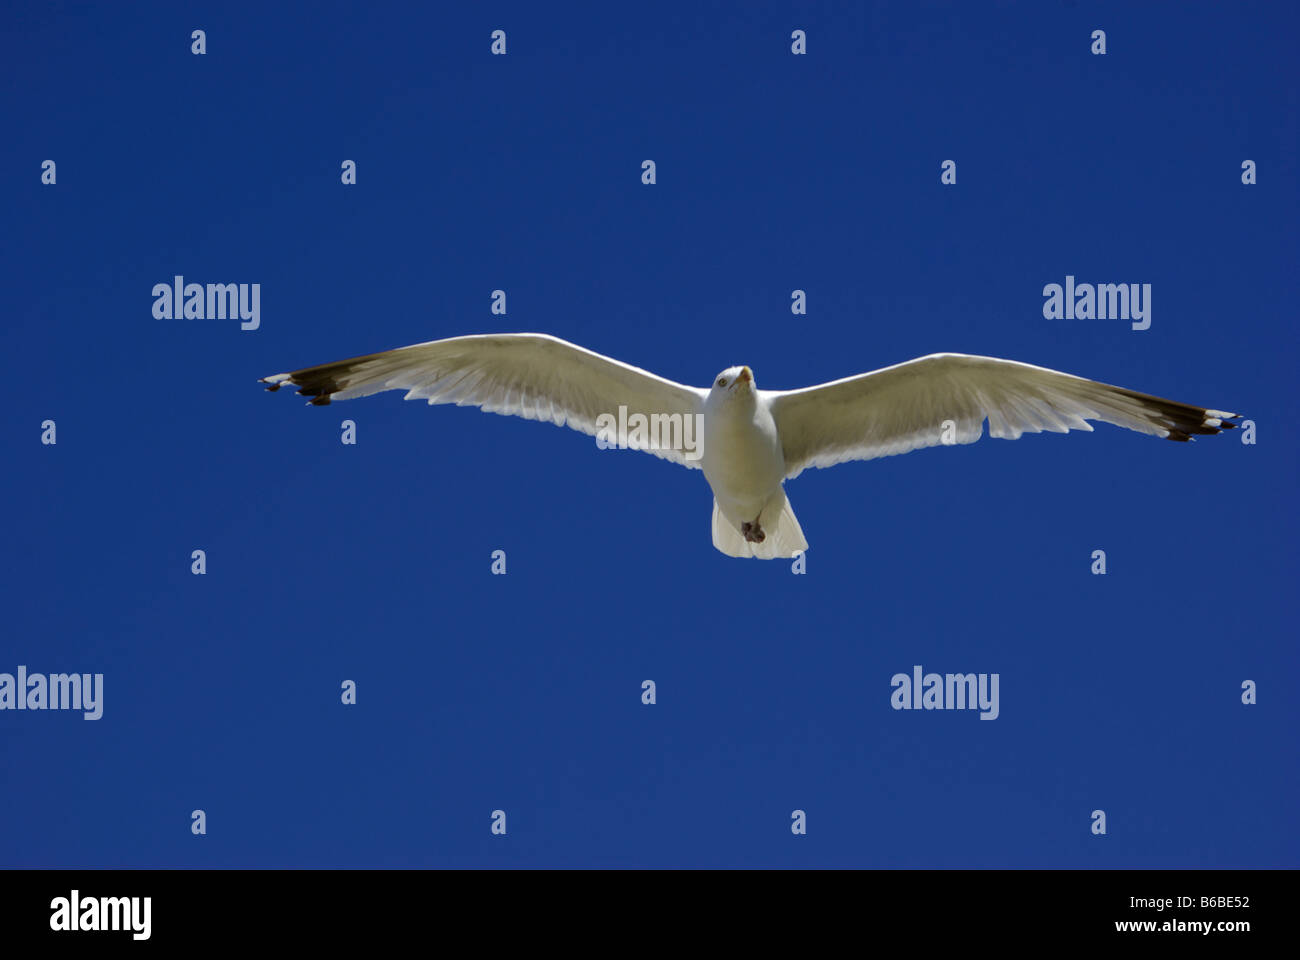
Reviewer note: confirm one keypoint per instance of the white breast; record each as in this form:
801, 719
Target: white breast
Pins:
742, 460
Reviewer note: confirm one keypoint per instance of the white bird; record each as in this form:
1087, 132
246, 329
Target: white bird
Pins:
753, 440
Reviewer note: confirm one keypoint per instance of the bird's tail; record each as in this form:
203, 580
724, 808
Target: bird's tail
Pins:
782, 536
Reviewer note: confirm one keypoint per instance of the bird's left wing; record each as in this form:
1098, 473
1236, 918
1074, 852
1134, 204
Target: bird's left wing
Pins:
945, 398
529, 375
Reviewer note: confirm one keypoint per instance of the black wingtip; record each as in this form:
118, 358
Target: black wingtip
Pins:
1184, 421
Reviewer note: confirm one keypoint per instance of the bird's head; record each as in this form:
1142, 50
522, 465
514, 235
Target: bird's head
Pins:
734, 381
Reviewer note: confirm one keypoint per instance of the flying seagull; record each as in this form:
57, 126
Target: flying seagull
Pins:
752, 440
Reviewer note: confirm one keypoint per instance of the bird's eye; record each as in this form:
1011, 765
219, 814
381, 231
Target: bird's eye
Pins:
722, 381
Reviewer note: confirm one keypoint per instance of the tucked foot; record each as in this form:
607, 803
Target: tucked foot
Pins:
753, 532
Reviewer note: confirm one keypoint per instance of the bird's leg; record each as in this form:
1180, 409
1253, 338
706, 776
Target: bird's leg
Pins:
753, 532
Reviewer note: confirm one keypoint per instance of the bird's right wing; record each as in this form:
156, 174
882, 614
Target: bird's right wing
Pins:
906, 407
529, 375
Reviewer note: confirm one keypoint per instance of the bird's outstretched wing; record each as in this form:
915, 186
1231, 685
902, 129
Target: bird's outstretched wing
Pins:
529, 375
906, 407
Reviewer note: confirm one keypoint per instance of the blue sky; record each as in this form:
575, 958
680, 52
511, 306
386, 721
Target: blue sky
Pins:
522, 692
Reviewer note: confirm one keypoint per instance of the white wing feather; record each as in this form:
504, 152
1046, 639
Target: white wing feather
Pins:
904, 407
529, 375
